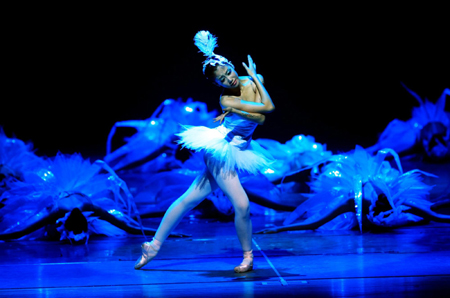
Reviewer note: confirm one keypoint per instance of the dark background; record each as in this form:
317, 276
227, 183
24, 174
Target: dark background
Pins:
70, 73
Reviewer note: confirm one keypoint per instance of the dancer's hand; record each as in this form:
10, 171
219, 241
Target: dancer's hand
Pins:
251, 68
226, 111
268, 231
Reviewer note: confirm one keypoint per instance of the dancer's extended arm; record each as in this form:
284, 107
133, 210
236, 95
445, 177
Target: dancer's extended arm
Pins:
316, 221
49, 215
426, 212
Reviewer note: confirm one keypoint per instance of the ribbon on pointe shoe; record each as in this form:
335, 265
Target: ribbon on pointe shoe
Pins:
247, 263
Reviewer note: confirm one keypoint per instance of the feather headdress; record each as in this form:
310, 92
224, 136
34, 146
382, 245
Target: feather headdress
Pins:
206, 43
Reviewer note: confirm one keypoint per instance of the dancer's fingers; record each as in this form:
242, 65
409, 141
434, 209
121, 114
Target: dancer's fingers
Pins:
224, 114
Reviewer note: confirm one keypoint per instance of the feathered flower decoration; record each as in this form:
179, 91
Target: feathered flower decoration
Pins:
17, 158
68, 182
206, 43
365, 177
297, 154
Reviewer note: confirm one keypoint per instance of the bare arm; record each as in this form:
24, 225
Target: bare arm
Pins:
266, 105
316, 220
266, 100
253, 117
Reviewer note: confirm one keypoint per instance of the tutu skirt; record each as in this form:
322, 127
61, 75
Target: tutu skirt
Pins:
224, 150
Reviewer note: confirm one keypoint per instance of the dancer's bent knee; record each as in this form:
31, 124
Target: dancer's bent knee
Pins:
242, 210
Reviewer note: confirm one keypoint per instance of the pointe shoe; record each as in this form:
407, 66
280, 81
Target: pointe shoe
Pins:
247, 263
149, 251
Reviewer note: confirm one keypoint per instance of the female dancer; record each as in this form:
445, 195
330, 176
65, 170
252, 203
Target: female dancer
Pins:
228, 149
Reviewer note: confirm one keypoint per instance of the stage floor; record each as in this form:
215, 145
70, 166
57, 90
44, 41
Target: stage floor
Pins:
410, 262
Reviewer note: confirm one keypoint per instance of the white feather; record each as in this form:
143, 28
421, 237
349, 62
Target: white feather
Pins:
206, 42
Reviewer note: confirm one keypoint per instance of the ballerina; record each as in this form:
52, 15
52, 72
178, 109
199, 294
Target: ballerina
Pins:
227, 149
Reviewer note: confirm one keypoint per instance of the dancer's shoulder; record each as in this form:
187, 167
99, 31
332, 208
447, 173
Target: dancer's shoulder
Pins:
245, 80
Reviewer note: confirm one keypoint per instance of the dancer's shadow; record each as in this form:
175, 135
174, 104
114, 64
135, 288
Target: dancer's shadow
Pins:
254, 275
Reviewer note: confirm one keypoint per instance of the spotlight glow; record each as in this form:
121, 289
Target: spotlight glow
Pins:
269, 171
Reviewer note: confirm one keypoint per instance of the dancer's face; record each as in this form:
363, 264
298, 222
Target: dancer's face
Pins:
225, 76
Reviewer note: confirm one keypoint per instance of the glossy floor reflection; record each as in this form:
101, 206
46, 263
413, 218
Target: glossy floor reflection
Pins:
402, 262
411, 261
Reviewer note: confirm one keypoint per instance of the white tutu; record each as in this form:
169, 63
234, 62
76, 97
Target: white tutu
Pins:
228, 146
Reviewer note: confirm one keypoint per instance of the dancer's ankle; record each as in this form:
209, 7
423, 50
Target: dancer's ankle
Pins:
248, 254
156, 243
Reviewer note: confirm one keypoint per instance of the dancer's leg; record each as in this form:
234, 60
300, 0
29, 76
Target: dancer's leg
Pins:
231, 186
202, 186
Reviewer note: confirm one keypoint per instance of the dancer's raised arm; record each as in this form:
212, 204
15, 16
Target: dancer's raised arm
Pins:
266, 105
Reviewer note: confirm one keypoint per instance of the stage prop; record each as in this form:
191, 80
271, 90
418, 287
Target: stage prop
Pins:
71, 198
428, 131
358, 189
67, 193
